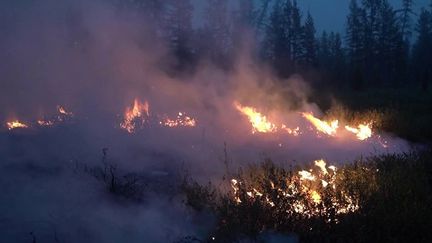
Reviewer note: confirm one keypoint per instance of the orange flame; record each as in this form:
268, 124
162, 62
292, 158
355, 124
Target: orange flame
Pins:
322, 126
134, 113
63, 111
363, 131
259, 122
16, 124
309, 183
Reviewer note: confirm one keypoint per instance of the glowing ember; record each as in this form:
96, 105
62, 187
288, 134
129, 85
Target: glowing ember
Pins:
259, 122
45, 123
362, 132
15, 124
182, 120
63, 111
135, 114
322, 126
295, 132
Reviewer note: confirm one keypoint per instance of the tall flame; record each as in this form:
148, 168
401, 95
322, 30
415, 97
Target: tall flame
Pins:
322, 126
133, 114
259, 122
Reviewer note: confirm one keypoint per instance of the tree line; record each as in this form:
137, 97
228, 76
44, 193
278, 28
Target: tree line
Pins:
380, 47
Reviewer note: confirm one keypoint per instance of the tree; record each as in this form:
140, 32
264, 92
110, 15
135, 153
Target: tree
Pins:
390, 47
422, 50
277, 47
405, 18
179, 19
309, 42
295, 33
337, 57
357, 42
354, 36
217, 28
324, 50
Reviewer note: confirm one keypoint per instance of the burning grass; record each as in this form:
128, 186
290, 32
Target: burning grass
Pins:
375, 199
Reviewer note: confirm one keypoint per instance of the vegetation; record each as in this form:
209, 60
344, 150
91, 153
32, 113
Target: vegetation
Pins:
394, 193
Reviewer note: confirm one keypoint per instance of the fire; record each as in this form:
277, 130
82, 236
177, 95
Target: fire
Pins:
306, 175
137, 113
322, 126
292, 131
259, 122
63, 111
16, 124
305, 192
316, 198
363, 131
181, 120
322, 165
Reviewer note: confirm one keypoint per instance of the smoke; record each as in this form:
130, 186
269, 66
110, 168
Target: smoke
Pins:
95, 58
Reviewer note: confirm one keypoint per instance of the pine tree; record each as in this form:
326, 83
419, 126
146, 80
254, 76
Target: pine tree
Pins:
296, 33
355, 34
309, 42
217, 28
390, 47
422, 50
324, 50
180, 30
276, 43
337, 57
405, 18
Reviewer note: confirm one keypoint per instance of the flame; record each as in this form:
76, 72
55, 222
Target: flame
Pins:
63, 111
16, 124
259, 122
322, 126
304, 192
134, 114
306, 175
316, 198
182, 120
363, 131
322, 165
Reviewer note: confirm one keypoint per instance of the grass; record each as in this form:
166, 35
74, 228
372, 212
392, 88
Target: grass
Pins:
393, 192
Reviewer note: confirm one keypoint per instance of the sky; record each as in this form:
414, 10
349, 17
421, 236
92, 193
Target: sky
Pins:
331, 14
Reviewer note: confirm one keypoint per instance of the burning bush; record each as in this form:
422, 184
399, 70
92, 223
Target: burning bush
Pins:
383, 197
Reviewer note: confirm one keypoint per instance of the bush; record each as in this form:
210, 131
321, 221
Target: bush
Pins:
383, 198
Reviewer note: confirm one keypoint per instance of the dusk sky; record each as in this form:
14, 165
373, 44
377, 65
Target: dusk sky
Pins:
331, 14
